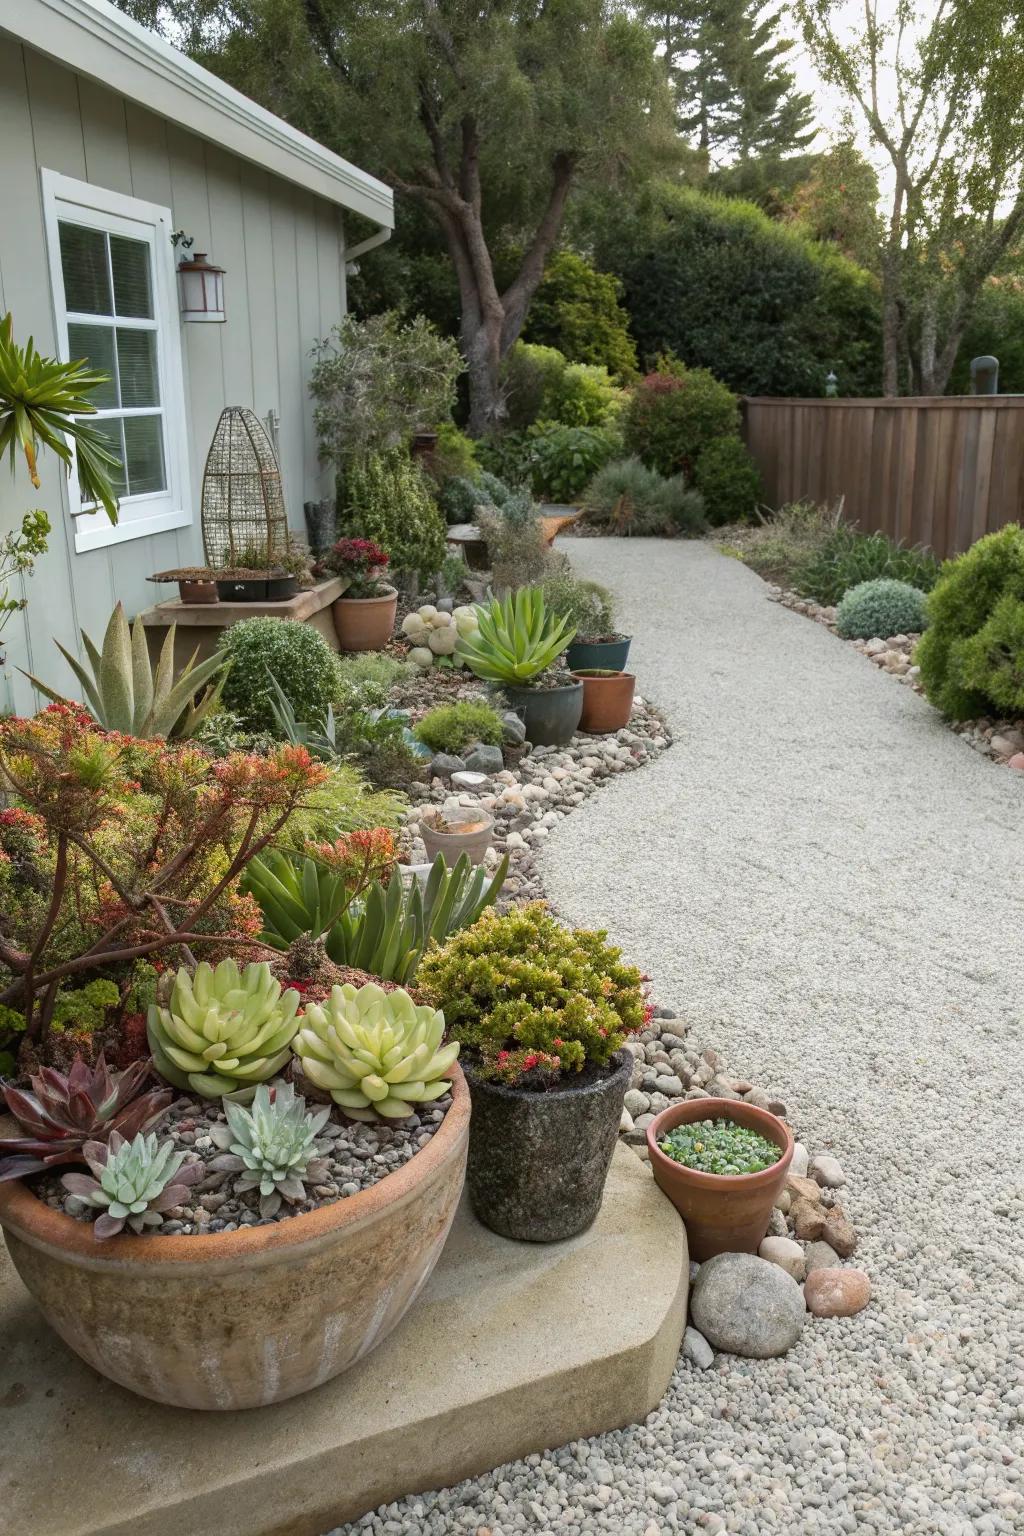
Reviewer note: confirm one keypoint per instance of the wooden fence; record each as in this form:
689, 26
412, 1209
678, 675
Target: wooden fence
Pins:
939, 470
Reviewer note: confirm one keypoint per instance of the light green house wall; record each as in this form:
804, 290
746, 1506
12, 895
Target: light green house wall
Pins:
283, 252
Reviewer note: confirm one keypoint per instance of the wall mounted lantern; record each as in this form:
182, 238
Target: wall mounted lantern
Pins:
831, 385
200, 284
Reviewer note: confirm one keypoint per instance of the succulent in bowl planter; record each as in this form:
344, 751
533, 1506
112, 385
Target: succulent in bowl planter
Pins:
272, 1147
364, 615
713, 1159
222, 1030
517, 643
131, 1183
542, 1013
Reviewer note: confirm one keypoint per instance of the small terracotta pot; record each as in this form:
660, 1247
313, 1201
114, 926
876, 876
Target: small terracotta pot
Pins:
724, 1213
198, 592
607, 702
473, 837
365, 623
242, 1319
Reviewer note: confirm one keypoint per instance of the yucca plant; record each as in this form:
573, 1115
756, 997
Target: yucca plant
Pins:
40, 402
387, 930
123, 693
62, 1112
516, 640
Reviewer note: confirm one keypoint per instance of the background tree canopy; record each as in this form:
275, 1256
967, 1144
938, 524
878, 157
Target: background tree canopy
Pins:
722, 286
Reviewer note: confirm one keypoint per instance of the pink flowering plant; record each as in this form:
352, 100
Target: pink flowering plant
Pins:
530, 1000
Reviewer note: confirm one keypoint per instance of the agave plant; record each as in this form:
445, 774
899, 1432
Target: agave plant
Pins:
123, 693
42, 401
375, 1052
273, 1146
386, 930
62, 1113
132, 1183
222, 1029
515, 640
323, 743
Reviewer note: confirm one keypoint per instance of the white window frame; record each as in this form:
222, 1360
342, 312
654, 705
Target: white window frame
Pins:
112, 212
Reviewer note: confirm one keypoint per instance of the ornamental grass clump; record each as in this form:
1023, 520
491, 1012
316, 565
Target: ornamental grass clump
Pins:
719, 1146
532, 1000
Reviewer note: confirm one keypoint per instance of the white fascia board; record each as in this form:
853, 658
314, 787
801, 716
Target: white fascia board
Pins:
92, 37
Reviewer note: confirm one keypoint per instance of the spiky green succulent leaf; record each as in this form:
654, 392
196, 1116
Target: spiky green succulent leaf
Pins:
515, 640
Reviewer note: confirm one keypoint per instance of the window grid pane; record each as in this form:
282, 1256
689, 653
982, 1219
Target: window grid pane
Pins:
102, 273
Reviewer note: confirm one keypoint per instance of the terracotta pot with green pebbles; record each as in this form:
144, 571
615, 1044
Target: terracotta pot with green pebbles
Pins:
722, 1163
541, 1013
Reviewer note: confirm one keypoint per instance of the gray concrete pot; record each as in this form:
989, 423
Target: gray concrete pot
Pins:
538, 1161
451, 845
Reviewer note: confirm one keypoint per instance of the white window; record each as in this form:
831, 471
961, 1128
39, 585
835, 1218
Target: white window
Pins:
114, 287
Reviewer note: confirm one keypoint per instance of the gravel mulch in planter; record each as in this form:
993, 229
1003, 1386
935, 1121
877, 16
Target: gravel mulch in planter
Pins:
358, 1154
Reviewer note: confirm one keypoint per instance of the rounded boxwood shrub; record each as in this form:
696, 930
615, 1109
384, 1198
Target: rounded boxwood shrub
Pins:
674, 414
296, 654
881, 608
727, 478
972, 654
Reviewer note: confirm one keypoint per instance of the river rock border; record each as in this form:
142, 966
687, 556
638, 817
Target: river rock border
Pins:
1001, 740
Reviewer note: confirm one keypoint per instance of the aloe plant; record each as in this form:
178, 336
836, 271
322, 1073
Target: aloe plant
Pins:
386, 931
41, 401
516, 640
123, 693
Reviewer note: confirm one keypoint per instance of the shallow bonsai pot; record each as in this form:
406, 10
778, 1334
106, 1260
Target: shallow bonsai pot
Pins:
538, 1161
241, 1319
549, 714
365, 623
607, 701
592, 655
476, 829
253, 590
723, 1213
198, 592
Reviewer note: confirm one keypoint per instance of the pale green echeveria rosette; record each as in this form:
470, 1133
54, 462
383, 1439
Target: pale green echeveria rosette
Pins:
223, 1030
376, 1053
272, 1146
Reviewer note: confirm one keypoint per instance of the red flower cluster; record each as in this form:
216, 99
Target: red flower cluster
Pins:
357, 556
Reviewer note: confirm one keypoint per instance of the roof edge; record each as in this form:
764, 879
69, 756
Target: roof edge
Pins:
93, 38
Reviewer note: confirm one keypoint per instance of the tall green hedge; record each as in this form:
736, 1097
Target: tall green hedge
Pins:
723, 287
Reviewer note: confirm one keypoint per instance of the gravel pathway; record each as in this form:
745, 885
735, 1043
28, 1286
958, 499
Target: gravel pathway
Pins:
827, 883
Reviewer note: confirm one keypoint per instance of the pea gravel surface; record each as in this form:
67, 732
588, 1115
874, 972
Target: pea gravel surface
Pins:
827, 883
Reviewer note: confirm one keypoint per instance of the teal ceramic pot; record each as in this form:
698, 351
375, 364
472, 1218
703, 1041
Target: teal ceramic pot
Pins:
549, 714
598, 655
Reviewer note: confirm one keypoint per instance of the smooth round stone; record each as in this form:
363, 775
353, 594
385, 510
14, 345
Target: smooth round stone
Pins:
465, 779
784, 1252
827, 1171
836, 1292
746, 1306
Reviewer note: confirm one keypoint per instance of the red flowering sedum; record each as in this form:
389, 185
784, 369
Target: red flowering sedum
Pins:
532, 998
362, 562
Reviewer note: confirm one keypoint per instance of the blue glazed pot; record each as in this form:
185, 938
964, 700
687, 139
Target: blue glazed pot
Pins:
549, 714
598, 655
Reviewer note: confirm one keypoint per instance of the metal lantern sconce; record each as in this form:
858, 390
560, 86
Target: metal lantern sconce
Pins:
831, 385
200, 284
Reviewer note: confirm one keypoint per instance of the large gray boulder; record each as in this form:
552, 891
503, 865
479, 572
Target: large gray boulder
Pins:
484, 759
746, 1306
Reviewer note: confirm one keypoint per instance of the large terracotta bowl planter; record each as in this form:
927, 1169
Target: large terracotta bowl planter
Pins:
723, 1213
241, 1319
607, 701
365, 623
538, 1161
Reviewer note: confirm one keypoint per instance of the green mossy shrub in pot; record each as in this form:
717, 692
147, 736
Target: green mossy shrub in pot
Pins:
881, 608
541, 1013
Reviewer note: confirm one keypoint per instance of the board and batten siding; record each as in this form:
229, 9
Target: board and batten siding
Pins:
283, 252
